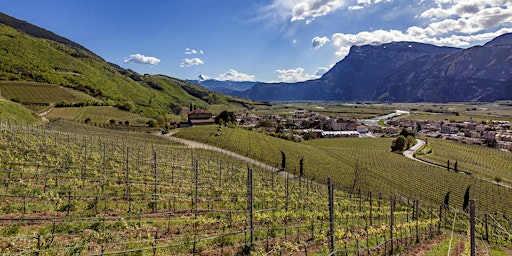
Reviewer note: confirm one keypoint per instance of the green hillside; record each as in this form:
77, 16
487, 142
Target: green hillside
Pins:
14, 111
24, 57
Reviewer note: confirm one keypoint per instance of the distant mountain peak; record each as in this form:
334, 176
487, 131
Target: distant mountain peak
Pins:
203, 77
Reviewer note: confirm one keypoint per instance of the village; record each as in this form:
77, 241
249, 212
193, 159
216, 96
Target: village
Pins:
304, 125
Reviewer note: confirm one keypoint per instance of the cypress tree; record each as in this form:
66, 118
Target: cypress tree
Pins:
283, 161
301, 167
465, 204
447, 200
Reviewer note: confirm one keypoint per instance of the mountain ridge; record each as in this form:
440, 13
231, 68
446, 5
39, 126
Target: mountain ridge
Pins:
374, 73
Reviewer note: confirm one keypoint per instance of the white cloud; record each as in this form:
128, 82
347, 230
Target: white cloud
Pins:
321, 70
233, 75
189, 51
191, 62
355, 7
141, 59
361, 4
318, 42
296, 10
294, 75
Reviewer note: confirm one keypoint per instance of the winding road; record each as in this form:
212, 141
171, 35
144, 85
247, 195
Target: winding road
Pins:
410, 154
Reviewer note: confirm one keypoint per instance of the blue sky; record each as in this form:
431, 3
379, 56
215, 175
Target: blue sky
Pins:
261, 40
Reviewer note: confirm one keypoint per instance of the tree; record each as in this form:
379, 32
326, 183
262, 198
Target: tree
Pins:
465, 204
406, 133
446, 204
225, 117
283, 160
410, 141
301, 167
398, 144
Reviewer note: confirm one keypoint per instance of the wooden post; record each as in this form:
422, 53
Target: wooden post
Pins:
250, 201
331, 213
155, 191
196, 195
472, 227
391, 220
486, 228
440, 219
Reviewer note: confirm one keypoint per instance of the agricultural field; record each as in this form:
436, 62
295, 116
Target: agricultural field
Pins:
488, 163
32, 92
366, 164
338, 110
97, 115
71, 190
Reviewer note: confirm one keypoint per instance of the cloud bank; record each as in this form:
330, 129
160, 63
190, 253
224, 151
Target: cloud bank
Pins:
141, 59
233, 75
191, 62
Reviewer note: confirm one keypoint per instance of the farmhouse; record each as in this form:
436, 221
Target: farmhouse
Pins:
200, 117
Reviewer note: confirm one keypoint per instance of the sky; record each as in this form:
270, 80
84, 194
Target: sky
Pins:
257, 40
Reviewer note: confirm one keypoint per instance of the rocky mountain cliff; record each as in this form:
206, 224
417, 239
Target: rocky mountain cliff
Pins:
406, 72
480, 73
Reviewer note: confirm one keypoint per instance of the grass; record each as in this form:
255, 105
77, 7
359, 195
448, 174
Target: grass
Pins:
15, 112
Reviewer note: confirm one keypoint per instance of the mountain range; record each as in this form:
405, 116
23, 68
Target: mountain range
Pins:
391, 72
405, 72
223, 86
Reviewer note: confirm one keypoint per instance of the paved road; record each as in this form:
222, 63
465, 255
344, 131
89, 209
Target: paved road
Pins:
410, 154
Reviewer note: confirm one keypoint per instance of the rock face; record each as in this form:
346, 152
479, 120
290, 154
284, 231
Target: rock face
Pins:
406, 72
480, 73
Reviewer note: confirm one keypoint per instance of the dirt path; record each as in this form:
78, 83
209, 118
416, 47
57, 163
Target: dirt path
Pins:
195, 144
45, 112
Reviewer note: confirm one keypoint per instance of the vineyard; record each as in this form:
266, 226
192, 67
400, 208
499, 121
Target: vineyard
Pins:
102, 116
489, 163
31, 92
365, 164
98, 192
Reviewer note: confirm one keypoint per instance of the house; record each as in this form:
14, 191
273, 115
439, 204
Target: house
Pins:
200, 117
362, 129
489, 136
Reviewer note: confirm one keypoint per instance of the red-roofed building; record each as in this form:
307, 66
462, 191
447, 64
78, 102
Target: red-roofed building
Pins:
200, 117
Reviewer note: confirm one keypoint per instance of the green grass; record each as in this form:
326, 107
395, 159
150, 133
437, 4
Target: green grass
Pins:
15, 112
